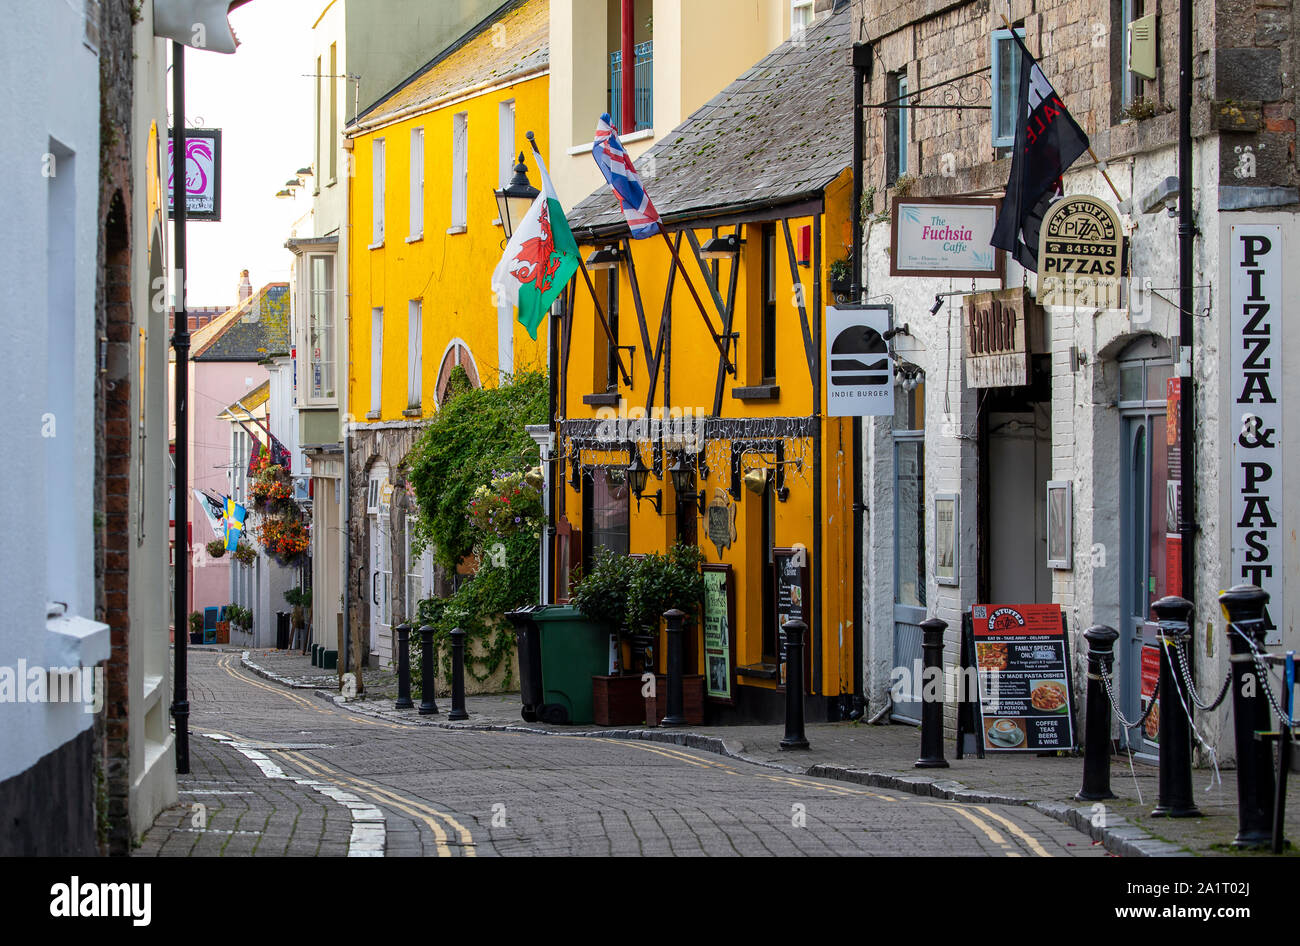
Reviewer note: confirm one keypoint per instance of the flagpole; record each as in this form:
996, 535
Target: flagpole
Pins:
1101, 165
618, 355
717, 339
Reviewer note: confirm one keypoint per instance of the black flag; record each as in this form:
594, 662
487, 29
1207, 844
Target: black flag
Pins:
1048, 140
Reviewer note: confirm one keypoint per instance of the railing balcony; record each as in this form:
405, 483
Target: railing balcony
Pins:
643, 72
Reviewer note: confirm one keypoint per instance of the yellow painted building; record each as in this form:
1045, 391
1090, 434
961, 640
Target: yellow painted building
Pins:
769, 476
424, 239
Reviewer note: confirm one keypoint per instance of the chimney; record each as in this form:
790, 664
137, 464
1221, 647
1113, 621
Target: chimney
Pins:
245, 287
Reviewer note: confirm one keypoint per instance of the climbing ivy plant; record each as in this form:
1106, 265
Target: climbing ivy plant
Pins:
475, 507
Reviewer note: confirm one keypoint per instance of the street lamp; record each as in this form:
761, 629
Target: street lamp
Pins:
684, 480
637, 476
515, 198
721, 247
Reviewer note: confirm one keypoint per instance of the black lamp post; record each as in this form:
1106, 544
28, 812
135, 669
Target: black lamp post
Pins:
515, 198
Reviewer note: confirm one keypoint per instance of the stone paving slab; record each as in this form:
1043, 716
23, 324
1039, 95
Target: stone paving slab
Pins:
880, 756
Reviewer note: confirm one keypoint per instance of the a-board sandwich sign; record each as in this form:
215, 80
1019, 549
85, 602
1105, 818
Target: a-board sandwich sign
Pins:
1025, 690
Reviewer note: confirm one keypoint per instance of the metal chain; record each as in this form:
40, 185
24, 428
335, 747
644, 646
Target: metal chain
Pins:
1191, 687
1263, 677
1105, 682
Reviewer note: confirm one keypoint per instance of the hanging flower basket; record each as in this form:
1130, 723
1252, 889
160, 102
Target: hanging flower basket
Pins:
244, 554
271, 491
216, 548
285, 538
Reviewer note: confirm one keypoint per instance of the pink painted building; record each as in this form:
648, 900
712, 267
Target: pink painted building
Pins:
226, 363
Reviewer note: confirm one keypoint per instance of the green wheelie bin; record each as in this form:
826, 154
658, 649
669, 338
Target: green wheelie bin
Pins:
574, 649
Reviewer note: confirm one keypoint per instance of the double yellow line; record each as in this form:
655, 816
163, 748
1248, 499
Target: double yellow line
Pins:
226, 663
985, 827
431, 817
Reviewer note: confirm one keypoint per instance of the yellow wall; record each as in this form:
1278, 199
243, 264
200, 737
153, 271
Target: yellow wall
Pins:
694, 361
450, 272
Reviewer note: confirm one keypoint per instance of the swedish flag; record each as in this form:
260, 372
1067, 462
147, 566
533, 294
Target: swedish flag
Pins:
234, 524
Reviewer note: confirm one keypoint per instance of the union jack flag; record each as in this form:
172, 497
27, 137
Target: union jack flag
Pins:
613, 160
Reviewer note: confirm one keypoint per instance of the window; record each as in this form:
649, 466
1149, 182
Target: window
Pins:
611, 348
768, 302
767, 542
376, 359
377, 194
333, 143
1130, 84
896, 131
415, 571
414, 358
909, 498
321, 346
801, 17
606, 512
417, 183
1006, 86
459, 170
506, 142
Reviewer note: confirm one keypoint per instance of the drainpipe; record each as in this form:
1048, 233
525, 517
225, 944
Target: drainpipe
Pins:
181, 343
345, 572
861, 74
629, 66
1186, 236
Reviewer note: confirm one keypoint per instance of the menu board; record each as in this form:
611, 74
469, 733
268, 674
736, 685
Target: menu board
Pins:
791, 570
717, 634
1026, 695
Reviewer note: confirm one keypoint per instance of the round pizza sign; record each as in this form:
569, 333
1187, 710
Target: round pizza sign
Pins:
1080, 254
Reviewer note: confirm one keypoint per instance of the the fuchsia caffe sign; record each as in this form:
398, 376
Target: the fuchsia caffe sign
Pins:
943, 236
202, 173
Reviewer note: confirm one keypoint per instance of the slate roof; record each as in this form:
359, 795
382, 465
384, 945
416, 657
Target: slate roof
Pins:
779, 133
474, 60
253, 330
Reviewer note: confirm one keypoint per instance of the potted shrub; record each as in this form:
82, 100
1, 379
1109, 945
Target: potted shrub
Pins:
196, 627
841, 274
602, 596
661, 583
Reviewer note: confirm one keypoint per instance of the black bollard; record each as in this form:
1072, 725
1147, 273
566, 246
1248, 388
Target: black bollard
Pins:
1243, 605
932, 630
1175, 787
457, 675
403, 667
676, 715
1096, 748
794, 735
427, 705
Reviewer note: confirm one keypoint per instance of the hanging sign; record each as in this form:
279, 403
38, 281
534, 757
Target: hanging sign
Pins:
860, 375
1026, 695
944, 235
1256, 296
1080, 250
721, 522
1000, 331
717, 632
202, 174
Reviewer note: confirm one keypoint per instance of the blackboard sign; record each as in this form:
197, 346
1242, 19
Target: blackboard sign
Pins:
718, 639
1025, 690
792, 597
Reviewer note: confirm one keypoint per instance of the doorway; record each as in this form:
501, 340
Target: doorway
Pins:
381, 565
1145, 369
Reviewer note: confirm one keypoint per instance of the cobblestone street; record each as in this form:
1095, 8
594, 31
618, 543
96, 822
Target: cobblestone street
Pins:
279, 771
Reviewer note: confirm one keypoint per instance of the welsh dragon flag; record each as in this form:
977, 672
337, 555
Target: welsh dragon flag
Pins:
540, 258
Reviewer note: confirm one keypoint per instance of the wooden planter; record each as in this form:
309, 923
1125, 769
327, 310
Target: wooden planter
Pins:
617, 701
656, 707
223, 632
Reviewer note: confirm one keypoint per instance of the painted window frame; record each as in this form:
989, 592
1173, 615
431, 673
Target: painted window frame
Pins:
506, 153
416, 215
377, 193
459, 173
376, 360
322, 306
414, 353
999, 108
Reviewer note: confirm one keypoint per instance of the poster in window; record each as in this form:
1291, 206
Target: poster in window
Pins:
718, 639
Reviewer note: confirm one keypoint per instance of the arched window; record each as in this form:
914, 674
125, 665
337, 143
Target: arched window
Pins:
457, 354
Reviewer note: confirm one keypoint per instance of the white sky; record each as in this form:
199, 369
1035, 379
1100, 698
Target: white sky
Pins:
262, 102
